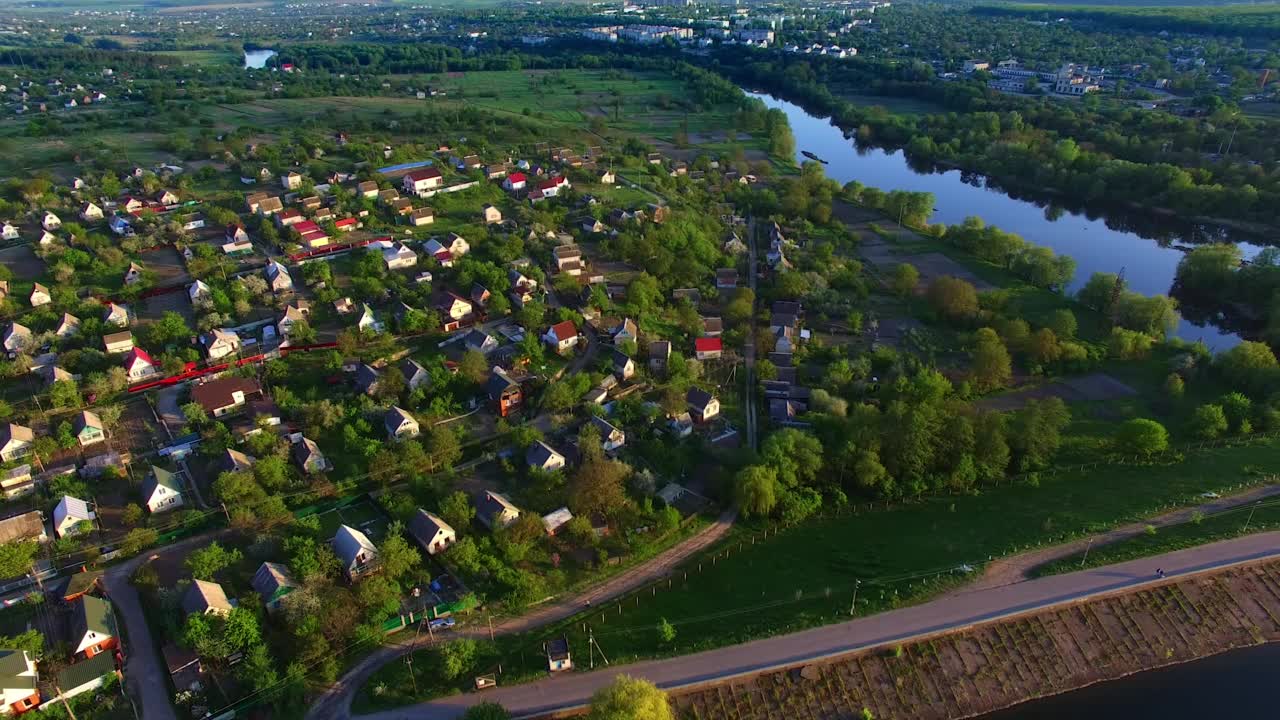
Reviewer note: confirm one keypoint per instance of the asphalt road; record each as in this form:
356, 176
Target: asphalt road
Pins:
953, 612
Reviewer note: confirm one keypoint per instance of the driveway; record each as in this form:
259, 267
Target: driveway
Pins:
954, 612
169, 410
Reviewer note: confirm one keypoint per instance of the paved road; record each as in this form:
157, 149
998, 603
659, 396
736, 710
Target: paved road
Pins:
144, 669
956, 611
335, 703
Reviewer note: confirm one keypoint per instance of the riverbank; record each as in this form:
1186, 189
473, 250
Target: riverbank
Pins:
997, 665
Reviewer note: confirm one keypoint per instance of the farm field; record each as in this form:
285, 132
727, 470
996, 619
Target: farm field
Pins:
997, 665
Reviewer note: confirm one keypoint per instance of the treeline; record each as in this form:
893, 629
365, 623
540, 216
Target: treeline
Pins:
1258, 23
1216, 276
919, 439
1089, 154
78, 59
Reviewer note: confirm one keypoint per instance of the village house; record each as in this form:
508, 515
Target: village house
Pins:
568, 259
117, 315
18, 682
15, 441
278, 277
712, 327
293, 313
432, 533
504, 392
235, 461
515, 182
88, 428
726, 279
72, 516
417, 182
562, 336
480, 341
121, 342
708, 348
308, 457
51, 222
222, 396
90, 212
166, 198
235, 233
206, 598
357, 554
366, 378
703, 406
399, 256
9, 231
553, 521
558, 657
92, 627
138, 365
422, 216
50, 374
611, 437
220, 343
494, 510
543, 457
291, 181
625, 331
18, 337
133, 274
162, 491
400, 424
40, 295
273, 582
659, 355
367, 189
454, 306
415, 376
623, 366
368, 321
17, 482
490, 215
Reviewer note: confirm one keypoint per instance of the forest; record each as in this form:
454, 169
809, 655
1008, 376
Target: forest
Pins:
1257, 22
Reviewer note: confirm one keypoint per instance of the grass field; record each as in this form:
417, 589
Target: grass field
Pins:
1258, 517
805, 576
363, 516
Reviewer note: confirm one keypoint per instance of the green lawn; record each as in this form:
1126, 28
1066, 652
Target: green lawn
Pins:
805, 576
1257, 517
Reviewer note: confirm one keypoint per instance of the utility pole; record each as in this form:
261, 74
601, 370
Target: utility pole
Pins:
1250, 518
853, 603
68, 707
1086, 552
490, 628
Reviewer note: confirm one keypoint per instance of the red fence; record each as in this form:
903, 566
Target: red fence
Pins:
331, 249
191, 372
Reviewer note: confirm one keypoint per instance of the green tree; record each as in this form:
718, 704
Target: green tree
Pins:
904, 280
456, 510
1208, 422
1063, 323
953, 298
628, 698
1174, 386
208, 561
486, 711
396, 555
1142, 437
473, 367
756, 490
16, 558
456, 658
64, 394
992, 366
666, 632
442, 447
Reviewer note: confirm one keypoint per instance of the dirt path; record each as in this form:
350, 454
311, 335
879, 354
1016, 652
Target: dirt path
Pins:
1017, 568
335, 703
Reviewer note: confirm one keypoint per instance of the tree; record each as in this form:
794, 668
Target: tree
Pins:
456, 510
456, 657
992, 366
138, 540
396, 555
1043, 347
953, 298
16, 557
1208, 422
1063, 323
597, 486
755, 490
1249, 365
905, 278
666, 632
1174, 386
1142, 437
473, 367
796, 456
442, 447
628, 698
208, 561
1098, 292
64, 394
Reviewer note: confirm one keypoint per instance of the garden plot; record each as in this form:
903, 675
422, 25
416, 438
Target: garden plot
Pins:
1095, 387
362, 516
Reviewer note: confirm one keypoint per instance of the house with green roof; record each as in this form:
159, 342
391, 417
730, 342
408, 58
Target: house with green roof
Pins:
18, 681
272, 582
93, 627
85, 676
162, 490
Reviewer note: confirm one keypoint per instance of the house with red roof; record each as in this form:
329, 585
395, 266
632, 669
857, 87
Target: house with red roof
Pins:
420, 181
562, 336
346, 224
515, 182
312, 235
290, 216
139, 365
553, 186
707, 348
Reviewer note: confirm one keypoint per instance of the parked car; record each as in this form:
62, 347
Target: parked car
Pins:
441, 623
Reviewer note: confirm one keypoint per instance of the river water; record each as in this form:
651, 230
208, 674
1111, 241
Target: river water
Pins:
257, 59
1143, 247
1236, 684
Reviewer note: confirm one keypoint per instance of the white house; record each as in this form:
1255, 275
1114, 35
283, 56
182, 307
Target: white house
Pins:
15, 441
562, 336
399, 256
544, 457
18, 682
162, 490
17, 337
133, 274
400, 424
139, 365
69, 326
90, 212
435, 535
358, 554
117, 315
611, 437
51, 222
220, 343
40, 295
9, 231
68, 515
278, 277
368, 321
199, 293
420, 181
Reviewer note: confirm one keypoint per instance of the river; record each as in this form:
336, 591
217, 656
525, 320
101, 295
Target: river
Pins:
1235, 684
1099, 243
257, 59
